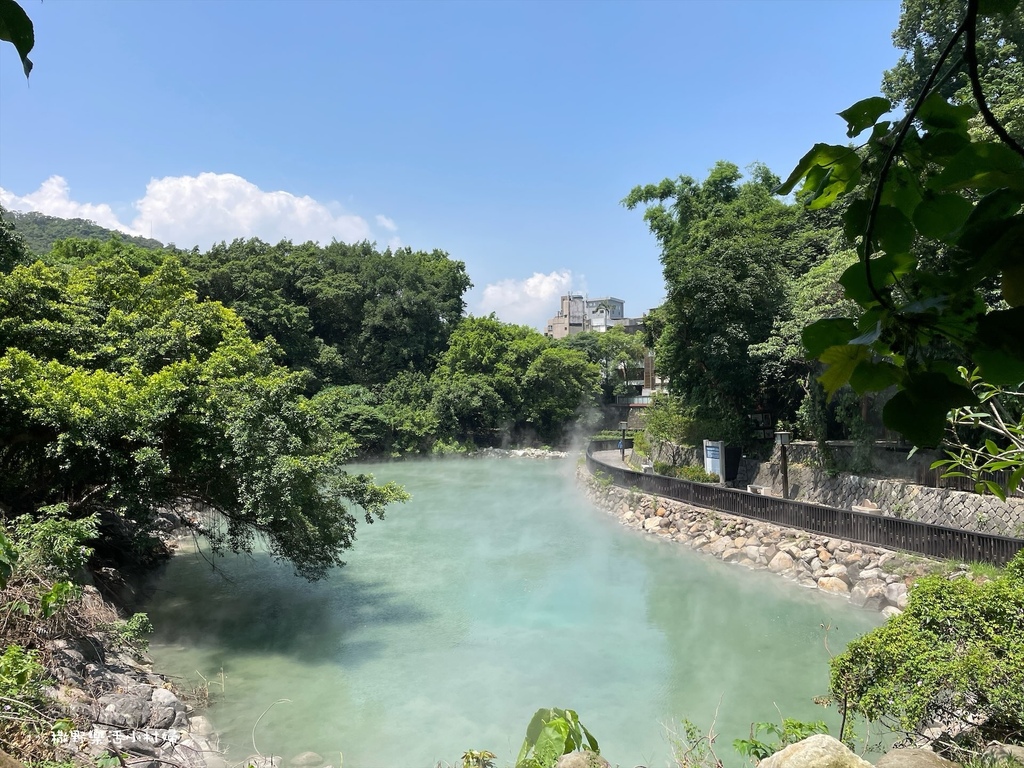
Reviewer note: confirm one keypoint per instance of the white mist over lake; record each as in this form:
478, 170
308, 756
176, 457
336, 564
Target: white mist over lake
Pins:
496, 590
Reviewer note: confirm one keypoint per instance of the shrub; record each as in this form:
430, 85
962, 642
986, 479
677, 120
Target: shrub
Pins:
552, 733
692, 473
955, 657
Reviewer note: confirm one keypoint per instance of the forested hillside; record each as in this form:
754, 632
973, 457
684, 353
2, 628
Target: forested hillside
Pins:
40, 231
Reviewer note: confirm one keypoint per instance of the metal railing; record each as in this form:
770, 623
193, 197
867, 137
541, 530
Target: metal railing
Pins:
632, 399
889, 532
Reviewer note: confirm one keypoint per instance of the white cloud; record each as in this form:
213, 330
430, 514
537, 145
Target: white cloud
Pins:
204, 209
210, 207
54, 199
531, 301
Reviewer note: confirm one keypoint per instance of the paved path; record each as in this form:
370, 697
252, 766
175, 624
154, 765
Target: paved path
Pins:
612, 459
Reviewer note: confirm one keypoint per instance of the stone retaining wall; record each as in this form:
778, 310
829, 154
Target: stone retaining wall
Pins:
896, 498
864, 574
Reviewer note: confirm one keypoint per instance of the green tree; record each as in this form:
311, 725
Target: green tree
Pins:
926, 28
730, 251
13, 250
121, 393
42, 232
558, 385
616, 352
347, 313
498, 377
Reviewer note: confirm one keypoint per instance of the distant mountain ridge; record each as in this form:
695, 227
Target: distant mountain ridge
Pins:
40, 231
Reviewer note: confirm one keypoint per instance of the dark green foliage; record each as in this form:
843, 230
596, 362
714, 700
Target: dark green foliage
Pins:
53, 544
692, 473
790, 732
552, 733
955, 655
498, 377
926, 26
620, 356
13, 250
347, 313
16, 28
42, 232
391, 420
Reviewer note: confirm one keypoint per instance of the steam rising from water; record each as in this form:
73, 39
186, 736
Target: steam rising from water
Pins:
495, 591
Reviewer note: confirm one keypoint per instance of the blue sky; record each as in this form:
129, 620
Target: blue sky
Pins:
503, 133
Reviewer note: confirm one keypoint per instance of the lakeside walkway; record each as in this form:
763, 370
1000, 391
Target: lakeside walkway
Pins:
612, 459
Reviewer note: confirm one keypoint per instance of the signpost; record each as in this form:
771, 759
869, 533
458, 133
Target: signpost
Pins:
714, 458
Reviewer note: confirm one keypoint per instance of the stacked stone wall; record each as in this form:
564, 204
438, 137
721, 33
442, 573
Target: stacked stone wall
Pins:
895, 498
895, 493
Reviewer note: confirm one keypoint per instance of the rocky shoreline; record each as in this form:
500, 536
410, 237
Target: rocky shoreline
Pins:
117, 703
869, 577
520, 453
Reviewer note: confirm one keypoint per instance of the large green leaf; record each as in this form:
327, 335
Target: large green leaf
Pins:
940, 146
16, 28
1013, 285
893, 231
871, 376
841, 362
884, 270
940, 215
855, 220
551, 742
1000, 350
828, 170
830, 332
996, 206
919, 411
938, 114
1005, 248
864, 114
984, 166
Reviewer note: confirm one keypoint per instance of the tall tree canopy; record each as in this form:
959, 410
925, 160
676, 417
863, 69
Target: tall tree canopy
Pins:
730, 251
618, 354
926, 28
497, 376
348, 313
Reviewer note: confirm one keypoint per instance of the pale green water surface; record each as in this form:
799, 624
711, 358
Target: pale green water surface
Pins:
497, 590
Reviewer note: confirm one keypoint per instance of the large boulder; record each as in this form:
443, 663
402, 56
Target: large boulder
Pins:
834, 585
914, 758
781, 563
868, 594
818, 751
998, 751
